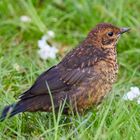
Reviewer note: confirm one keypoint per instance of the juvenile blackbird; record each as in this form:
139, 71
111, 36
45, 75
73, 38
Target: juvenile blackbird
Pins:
83, 77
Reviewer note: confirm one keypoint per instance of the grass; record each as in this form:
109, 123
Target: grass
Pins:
70, 20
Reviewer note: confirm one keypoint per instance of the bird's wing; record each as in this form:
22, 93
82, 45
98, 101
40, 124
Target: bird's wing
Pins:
57, 80
69, 72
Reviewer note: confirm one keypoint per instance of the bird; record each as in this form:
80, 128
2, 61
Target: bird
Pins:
81, 79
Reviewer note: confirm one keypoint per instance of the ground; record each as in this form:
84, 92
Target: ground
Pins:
71, 20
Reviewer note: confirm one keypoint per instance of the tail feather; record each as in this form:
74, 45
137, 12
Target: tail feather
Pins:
11, 110
32, 104
37, 103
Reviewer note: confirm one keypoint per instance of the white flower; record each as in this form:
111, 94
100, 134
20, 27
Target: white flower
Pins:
50, 34
42, 43
133, 94
45, 50
25, 18
53, 52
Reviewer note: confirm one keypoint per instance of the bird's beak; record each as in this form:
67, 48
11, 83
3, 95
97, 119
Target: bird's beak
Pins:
123, 30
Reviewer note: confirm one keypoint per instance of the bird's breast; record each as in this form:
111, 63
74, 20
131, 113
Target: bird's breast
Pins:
108, 70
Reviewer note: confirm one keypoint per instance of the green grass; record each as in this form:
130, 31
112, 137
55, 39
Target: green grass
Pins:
70, 20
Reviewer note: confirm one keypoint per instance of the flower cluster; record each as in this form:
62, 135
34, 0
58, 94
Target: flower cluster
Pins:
133, 94
46, 50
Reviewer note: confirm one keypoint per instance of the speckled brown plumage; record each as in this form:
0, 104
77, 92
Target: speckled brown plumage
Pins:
83, 77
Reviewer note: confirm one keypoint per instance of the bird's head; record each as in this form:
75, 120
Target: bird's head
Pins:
106, 34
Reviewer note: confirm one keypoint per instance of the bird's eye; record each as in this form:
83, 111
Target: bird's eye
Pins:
110, 34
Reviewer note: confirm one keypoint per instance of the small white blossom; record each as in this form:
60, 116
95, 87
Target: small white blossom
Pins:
45, 50
42, 44
44, 53
133, 94
25, 18
53, 52
51, 34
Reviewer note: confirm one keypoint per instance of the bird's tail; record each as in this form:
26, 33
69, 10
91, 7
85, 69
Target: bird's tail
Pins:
32, 104
12, 110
